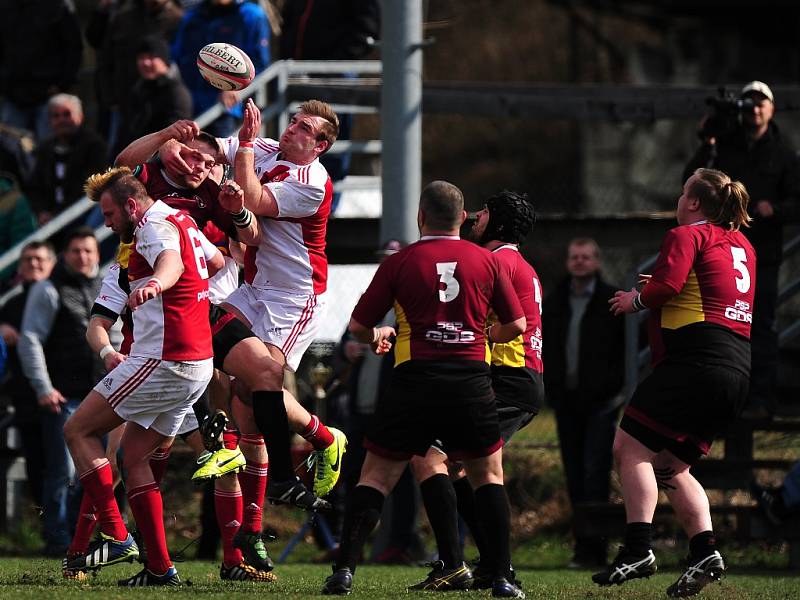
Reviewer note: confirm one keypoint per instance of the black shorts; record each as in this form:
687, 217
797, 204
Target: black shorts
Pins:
519, 393
226, 332
432, 400
683, 407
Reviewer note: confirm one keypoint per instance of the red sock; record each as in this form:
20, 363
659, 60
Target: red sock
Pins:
148, 511
84, 528
254, 484
98, 486
158, 463
230, 438
228, 506
316, 433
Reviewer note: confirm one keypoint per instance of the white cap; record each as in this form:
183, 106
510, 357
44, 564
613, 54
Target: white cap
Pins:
759, 87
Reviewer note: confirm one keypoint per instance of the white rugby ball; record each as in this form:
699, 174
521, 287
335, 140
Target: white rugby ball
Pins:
225, 66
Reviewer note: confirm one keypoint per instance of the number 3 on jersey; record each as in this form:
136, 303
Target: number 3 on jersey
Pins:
739, 260
199, 256
446, 272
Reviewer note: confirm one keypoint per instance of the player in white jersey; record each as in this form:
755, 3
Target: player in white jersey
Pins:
286, 269
169, 367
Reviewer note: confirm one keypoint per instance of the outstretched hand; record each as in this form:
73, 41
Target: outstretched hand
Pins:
184, 130
251, 125
172, 155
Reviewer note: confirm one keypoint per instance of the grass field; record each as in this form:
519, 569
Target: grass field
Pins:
36, 578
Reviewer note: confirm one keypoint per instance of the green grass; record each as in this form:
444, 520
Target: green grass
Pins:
37, 578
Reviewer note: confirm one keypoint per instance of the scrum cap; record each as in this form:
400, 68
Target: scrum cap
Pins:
511, 217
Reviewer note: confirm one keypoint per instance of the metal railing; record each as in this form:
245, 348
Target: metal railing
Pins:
636, 359
283, 72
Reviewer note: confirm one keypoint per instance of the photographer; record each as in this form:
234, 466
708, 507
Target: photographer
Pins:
740, 138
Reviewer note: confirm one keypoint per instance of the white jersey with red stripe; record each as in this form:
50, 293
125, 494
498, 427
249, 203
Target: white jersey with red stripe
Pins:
174, 325
291, 256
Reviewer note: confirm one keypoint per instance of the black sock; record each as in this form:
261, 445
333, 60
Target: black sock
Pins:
494, 515
465, 500
270, 416
440, 504
638, 538
703, 544
361, 515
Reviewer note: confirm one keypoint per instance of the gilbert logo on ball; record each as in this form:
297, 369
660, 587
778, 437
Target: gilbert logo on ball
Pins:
225, 66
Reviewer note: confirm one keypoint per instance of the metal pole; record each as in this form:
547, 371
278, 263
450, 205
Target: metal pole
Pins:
401, 117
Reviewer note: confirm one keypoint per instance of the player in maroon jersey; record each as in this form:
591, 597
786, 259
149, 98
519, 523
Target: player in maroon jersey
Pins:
701, 296
516, 368
442, 289
169, 366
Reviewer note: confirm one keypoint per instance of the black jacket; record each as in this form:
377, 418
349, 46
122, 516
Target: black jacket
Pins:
769, 169
73, 367
601, 366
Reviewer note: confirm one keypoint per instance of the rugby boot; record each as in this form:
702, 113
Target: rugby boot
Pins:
483, 578
245, 572
218, 464
327, 463
444, 580
254, 551
698, 574
211, 430
295, 493
104, 552
503, 588
626, 566
71, 574
146, 578
340, 583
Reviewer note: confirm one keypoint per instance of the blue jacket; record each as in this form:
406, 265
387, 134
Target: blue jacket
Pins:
243, 24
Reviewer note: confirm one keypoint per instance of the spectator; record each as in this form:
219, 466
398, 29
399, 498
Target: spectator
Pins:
61, 368
65, 160
243, 24
16, 216
48, 33
755, 153
16, 151
330, 30
585, 370
35, 264
158, 98
115, 30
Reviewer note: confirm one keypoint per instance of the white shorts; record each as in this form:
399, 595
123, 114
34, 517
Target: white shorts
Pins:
156, 394
189, 423
287, 321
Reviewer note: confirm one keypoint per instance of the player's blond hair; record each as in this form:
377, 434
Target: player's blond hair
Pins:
330, 127
722, 200
120, 182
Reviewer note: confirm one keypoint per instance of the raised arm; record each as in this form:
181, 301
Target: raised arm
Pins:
257, 198
139, 151
231, 198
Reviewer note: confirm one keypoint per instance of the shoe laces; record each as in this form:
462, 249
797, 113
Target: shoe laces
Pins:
313, 459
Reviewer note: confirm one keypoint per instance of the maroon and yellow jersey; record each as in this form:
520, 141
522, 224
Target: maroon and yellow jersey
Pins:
442, 289
526, 349
201, 202
702, 291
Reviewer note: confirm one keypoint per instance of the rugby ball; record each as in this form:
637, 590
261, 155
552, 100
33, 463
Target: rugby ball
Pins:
225, 66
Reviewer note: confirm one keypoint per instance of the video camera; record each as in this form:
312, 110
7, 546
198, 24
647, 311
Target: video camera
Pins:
724, 118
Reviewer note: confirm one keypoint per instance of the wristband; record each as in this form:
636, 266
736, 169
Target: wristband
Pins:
105, 351
637, 303
242, 219
245, 144
156, 283
246, 150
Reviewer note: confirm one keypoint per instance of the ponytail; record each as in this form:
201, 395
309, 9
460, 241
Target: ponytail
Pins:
722, 201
